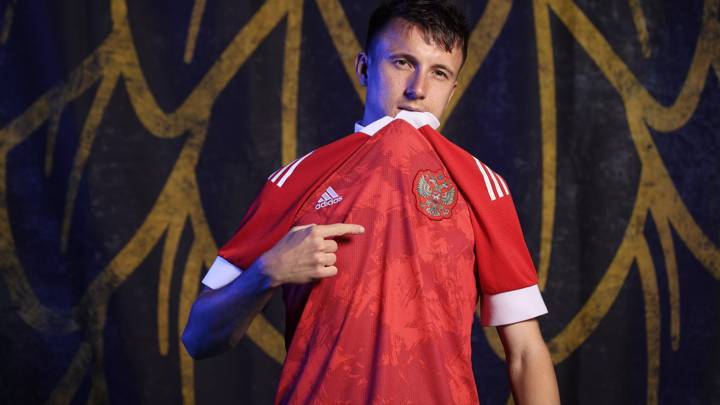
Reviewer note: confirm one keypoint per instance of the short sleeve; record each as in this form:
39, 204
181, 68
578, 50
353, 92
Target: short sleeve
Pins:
506, 274
261, 225
270, 216
273, 212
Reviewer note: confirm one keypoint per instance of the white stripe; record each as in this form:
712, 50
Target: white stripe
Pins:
273, 173
497, 186
320, 200
485, 177
291, 170
332, 192
279, 172
503, 184
326, 196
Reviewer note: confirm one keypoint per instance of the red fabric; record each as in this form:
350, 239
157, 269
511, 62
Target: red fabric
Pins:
273, 212
504, 262
394, 325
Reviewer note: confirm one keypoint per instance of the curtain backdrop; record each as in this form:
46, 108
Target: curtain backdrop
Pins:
135, 134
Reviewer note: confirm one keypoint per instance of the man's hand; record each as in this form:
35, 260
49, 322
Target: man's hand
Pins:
305, 254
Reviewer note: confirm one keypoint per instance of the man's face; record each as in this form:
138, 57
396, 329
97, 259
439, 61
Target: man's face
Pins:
403, 72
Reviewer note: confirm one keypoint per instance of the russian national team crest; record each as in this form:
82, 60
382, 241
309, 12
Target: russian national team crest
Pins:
435, 193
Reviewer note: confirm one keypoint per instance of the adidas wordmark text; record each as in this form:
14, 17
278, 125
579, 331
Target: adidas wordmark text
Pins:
329, 197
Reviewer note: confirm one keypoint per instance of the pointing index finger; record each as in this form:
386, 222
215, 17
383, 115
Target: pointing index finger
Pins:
332, 230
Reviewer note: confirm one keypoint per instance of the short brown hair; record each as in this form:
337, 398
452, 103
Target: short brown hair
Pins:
441, 22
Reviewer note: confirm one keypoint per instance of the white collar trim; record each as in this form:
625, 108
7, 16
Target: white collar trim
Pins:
415, 118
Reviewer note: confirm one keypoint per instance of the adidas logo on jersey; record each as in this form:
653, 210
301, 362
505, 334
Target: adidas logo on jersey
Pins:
329, 197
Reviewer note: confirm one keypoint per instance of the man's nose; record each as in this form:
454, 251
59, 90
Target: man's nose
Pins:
415, 89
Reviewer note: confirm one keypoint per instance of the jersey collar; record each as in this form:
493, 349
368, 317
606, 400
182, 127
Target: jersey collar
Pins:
415, 118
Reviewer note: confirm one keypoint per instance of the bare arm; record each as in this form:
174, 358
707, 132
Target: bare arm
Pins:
530, 367
219, 318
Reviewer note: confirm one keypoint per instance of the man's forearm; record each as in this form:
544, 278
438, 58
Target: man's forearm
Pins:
530, 367
532, 377
219, 318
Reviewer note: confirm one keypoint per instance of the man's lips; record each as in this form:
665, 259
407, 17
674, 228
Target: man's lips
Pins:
408, 108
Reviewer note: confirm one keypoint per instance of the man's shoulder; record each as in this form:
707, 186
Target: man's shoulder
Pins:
464, 165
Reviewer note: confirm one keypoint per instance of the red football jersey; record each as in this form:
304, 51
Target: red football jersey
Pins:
393, 326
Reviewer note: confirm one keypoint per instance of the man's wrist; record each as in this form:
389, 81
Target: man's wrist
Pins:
259, 271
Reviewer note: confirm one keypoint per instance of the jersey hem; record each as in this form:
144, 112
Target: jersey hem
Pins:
512, 306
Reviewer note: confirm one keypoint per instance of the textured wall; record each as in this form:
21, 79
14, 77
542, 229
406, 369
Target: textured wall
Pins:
134, 135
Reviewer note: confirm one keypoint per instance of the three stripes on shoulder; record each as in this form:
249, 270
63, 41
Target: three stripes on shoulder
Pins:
280, 176
493, 182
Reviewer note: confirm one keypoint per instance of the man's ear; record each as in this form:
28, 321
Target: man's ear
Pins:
452, 93
361, 68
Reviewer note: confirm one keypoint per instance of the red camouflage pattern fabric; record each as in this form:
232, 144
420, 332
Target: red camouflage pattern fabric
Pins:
393, 327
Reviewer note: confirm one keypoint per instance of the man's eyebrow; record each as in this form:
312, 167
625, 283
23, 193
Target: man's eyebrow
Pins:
414, 60
404, 56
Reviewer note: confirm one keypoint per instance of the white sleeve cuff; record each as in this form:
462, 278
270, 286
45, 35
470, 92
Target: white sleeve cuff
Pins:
221, 273
512, 306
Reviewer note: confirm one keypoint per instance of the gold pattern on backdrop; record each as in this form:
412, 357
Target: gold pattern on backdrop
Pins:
6, 19
179, 202
193, 30
641, 27
656, 194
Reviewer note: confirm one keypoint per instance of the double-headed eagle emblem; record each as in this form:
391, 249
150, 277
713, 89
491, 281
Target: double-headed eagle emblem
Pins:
436, 194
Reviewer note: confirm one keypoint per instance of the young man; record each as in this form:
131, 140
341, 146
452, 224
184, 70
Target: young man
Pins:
380, 303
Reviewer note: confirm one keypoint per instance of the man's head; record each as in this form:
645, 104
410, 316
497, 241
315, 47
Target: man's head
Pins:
413, 54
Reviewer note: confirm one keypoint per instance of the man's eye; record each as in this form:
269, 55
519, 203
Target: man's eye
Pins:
440, 74
402, 63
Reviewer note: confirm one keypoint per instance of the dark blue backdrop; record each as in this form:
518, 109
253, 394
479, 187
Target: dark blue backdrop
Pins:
134, 135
